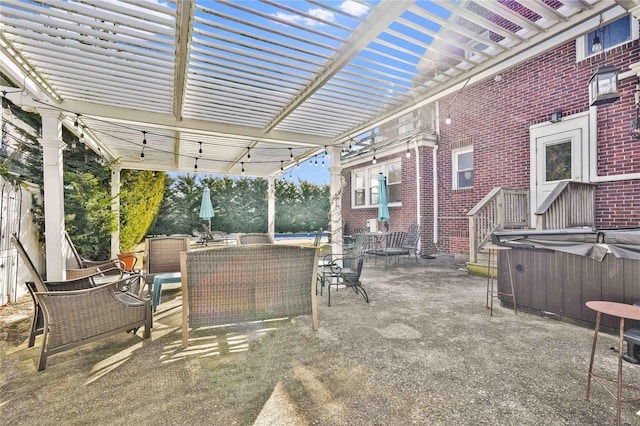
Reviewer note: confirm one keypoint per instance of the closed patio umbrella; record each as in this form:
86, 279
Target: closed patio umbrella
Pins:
383, 207
206, 209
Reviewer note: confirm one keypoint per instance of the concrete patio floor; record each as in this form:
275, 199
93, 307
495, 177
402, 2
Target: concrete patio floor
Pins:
424, 351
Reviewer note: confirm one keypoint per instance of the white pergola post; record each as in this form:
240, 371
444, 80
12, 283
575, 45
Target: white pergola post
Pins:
52, 148
335, 199
115, 207
271, 206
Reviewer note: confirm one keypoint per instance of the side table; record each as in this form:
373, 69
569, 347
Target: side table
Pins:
491, 291
621, 311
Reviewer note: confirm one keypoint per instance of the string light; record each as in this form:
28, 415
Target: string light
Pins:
195, 166
326, 154
316, 162
311, 161
291, 153
282, 165
249, 154
297, 165
81, 133
200, 150
323, 163
242, 164
408, 154
75, 123
448, 119
374, 156
144, 137
142, 154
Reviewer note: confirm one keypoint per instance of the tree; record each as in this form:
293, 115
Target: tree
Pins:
140, 198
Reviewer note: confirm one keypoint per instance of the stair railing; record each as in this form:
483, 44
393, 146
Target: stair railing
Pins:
571, 204
501, 208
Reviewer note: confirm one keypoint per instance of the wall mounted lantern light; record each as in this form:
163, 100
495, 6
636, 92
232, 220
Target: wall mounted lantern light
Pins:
603, 86
555, 116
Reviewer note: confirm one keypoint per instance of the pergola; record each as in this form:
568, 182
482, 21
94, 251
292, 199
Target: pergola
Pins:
255, 87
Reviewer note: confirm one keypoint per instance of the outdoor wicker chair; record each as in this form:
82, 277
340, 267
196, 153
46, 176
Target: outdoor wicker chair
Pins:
162, 255
247, 239
75, 312
342, 270
78, 266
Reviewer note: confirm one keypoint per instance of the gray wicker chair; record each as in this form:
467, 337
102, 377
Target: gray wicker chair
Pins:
247, 283
247, 239
80, 262
162, 255
75, 312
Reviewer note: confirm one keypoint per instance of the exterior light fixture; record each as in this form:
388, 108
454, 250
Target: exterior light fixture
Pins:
326, 154
408, 153
448, 119
555, 116
242, 164
195, 166
596, 47
281, 165
200, 150
603, 86
144, 137
249, 154
291, 153
374, 161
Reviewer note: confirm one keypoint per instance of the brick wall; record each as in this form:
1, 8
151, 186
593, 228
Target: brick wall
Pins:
495, 116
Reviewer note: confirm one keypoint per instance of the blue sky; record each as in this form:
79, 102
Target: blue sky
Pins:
314, 174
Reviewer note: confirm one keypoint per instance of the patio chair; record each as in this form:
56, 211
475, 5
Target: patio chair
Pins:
162, 256
81, 266
71, 313
209, 236
411, 241
318, 238
342, 270
392, 248
247, 239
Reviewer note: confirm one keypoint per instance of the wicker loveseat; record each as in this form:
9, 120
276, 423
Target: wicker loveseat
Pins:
247, 283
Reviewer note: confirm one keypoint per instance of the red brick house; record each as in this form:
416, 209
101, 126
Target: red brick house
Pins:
502, 135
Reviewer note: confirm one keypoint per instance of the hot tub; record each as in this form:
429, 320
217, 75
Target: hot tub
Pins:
555, 272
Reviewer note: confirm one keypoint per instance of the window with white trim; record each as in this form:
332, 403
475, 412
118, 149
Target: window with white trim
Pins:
364, 183
611, 35
462, 165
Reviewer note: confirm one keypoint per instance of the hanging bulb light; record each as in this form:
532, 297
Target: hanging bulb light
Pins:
242, 164
291, 153
316, 162
297, 165
81, 133
408, 153
75, 123
249, 154
200, 150
311, 161
73, 144
323, 163
374, 156
142, 154
282, 165
144, 137
448, 119
326, 154
195, 166
596, 47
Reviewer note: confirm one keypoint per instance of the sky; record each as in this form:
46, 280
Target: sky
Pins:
317, 175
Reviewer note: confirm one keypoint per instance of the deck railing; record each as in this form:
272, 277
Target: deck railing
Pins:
501, 208
570, 204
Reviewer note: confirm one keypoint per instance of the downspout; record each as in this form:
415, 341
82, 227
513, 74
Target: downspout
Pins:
435, 195
418, 190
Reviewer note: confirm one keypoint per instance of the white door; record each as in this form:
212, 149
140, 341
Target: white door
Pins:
558, 153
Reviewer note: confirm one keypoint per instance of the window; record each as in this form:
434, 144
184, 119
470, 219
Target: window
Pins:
611, 35
365, 185
462, 162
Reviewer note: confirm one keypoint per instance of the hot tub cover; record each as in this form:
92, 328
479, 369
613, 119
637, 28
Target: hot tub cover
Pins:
622, 243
